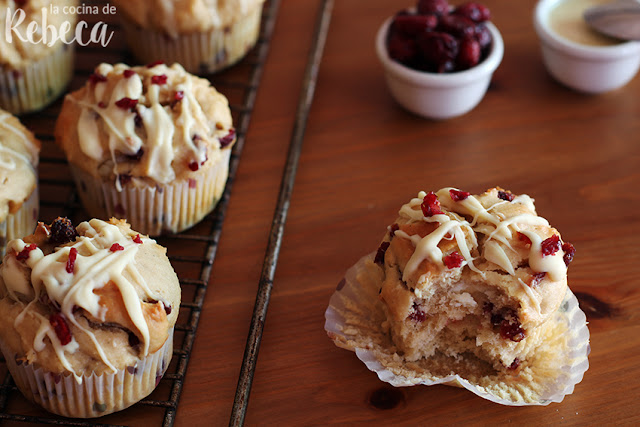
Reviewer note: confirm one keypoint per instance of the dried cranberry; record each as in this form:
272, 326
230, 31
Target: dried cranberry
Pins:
484, 37
116, 247
550, 246
159, 80
413, 25
536, 278
71, 261
228, 138
392, 230
60, 327
128, 73
137, 239
514, 365
469, 53
402, 49
102, 104
178, 96
453, 260
457, 195
153, 64
457, 26
417, 315
511, 330
430, 205
438, 7
474, 11
505, 195
382, 249
524, 238
569, 252
194, 166
167, 308
97, 78
438, 50
24, 253
62, 231
127, 103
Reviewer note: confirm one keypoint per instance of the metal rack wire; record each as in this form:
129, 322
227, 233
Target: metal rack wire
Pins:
58, 198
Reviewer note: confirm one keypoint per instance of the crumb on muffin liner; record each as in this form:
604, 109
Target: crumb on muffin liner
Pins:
354, 321
21, 223
37, 84
158, 209
95, 395
199, 52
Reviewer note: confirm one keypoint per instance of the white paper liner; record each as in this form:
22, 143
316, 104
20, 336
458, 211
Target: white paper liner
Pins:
200, 52
157, 209
34, 86
354, 322
95, 395
21, 223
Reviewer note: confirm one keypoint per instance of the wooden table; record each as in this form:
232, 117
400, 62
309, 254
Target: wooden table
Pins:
363, 157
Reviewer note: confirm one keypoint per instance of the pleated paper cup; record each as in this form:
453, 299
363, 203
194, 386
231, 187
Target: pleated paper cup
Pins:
199, 52
21, 223
90, 395
355, 321
37, 84
156, 209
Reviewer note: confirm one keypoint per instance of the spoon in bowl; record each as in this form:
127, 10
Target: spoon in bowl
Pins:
620, 19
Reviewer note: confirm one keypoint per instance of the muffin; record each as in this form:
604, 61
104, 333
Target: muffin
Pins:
87, 315
201, 35
150, 144
33, 73
19, 203
471, 287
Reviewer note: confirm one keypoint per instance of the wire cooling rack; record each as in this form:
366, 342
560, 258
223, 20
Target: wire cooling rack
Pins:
193, 266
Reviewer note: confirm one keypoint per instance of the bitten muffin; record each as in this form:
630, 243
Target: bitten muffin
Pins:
87, 315
203, 36
19, 203
34, 74
472, 280
150, 144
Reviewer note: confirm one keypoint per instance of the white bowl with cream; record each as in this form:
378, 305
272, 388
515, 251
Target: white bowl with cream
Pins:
579, 57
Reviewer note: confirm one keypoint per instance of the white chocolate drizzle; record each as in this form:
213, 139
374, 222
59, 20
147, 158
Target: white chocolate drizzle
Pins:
497, 229
152, 128
95, 266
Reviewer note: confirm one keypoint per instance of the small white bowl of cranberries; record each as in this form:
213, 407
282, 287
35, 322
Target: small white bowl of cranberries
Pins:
439, 58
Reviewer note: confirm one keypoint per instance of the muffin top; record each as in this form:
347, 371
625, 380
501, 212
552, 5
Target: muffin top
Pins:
175, 17
150, 123
19, 52
19, 151
95, 298
495, 238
